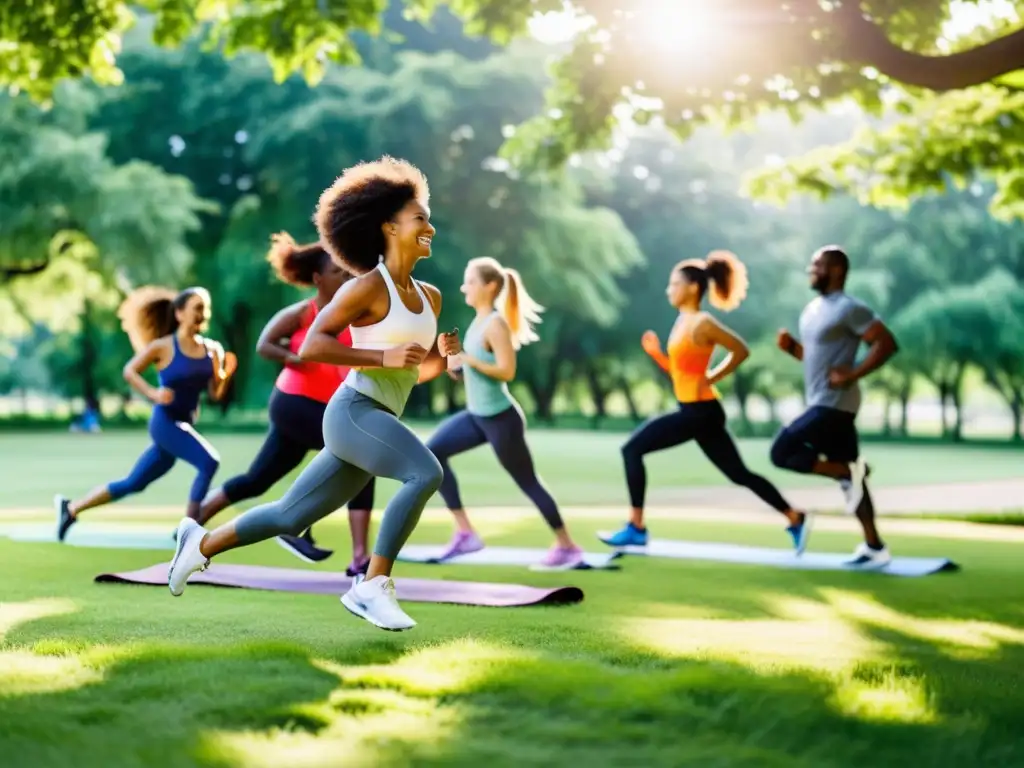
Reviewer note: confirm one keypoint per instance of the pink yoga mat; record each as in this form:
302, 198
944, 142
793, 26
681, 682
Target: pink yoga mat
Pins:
329, 583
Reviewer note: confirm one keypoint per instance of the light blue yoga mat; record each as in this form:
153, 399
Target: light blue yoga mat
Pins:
429, 553
96, 535
781, 558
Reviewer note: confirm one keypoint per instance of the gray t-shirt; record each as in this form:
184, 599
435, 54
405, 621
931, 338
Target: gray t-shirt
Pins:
831, 327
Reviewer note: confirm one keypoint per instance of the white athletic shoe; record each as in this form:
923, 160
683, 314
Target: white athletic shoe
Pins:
866, 557
854, 489
375, 601
187, 557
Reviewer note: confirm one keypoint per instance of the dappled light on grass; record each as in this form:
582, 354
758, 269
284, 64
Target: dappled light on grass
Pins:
24, 672
380, 713
960, 638
14, 614
895, 698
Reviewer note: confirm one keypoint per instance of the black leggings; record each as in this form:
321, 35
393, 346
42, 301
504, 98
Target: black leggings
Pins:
704, 422
506, 432
296, 427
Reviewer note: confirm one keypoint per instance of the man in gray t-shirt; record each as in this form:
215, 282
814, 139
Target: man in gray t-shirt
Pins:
832, 327
823, 440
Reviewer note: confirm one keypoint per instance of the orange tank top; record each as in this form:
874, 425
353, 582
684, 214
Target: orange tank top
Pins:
688, 365
317, 381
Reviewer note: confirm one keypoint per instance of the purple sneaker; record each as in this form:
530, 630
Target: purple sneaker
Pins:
462, 543
561, 559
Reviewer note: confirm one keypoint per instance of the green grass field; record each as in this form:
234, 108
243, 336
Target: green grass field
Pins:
664, 663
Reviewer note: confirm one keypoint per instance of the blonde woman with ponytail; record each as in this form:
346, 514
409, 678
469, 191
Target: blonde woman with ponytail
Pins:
505, 316
700, 416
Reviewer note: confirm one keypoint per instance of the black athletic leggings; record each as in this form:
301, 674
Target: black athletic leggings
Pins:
506, 432
296, 427
703, 421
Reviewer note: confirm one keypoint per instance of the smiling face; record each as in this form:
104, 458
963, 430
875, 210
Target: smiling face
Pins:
194, 316
411, 230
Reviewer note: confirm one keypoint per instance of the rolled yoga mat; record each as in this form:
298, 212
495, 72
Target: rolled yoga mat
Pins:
336, 584
781, 558
430, 554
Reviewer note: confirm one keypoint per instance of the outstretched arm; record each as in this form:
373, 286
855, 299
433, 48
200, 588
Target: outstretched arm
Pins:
132, 372
351, 302
224, 366
652, 346
436, 361
882, 347
282, 325
709, 332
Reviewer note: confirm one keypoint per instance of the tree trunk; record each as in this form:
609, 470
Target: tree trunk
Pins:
236, 339
956, 395
886, 421
598, 394
87, 341
627, 393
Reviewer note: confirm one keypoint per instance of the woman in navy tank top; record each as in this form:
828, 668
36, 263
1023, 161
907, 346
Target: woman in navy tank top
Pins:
166, 332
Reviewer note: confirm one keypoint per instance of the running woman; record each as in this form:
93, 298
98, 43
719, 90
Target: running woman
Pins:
832, 328
166, 331
298, 400
700, 416
504, 314
375, 223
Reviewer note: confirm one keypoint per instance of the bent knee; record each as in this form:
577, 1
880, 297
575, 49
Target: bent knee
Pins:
780, 450
430, 475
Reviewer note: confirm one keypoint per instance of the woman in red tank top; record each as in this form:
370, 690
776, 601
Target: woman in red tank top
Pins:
297, 404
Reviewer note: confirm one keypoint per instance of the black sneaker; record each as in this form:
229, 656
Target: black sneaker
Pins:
303, 549
64, 517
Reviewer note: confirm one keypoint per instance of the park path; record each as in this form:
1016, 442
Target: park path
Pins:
989, 496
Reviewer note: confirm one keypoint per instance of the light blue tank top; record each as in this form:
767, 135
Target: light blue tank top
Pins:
485, 396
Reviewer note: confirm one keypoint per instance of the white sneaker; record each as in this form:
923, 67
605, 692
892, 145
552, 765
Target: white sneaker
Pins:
854, 488
375, 601
866, 557
187, 557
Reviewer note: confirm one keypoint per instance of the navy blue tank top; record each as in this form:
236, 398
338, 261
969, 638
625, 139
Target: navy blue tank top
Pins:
188, 377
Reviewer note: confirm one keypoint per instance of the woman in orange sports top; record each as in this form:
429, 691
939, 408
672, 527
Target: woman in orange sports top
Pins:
298, 401
700, 415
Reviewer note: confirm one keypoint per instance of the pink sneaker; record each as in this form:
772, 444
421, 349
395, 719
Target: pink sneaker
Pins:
561, 559
462, 543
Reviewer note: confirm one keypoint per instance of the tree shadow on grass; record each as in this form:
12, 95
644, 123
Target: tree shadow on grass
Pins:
458, 701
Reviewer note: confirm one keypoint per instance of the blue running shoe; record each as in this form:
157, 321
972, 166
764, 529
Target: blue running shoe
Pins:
801, 534
628, 536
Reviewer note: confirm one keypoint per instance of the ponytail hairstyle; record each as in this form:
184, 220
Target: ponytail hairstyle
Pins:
512, 301
724, 273
150, 312
296, 264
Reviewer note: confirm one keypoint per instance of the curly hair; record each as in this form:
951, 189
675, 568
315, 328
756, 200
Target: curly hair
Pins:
296, 264
351, 212
724, 273
148, 313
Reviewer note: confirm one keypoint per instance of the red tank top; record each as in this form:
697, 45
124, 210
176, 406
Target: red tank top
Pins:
317, 381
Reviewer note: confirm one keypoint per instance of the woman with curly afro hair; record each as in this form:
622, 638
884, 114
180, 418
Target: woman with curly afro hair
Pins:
700, 415
299, 399
374, 221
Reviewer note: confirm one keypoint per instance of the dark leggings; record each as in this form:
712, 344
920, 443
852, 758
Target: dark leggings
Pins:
506, 432
296, 428
172, 440
704, 422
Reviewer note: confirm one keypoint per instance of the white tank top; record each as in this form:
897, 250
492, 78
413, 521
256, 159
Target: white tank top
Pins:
391, 386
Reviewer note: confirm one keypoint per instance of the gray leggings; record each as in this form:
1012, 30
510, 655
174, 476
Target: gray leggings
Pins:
363, 439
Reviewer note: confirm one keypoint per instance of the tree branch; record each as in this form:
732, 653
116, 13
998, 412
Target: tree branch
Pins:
866, 42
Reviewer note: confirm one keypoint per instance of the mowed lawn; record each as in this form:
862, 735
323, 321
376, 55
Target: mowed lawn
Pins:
663, 664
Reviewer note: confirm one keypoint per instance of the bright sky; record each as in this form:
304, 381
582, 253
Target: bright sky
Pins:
560, 27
